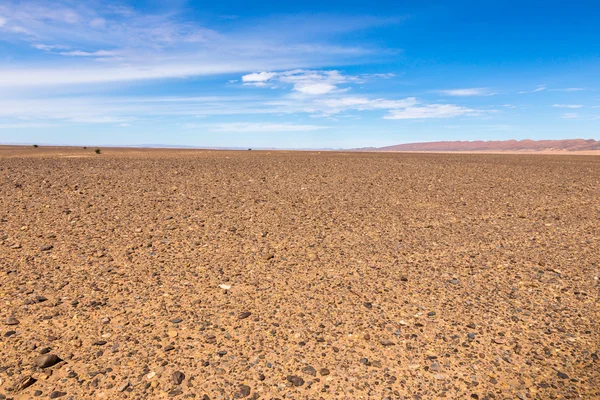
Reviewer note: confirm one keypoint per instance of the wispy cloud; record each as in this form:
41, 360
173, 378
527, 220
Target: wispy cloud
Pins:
540, 88
572, 89
567, 105
569, 116
309, 82
468, 92
265, 127
431, 111
121, 44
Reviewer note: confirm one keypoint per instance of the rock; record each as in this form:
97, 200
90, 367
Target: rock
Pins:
56, 395
295, 380
471, 336
224, 286
172, 333
435, 367
169, 348
46, 360
123, 387
45, 350
562, 375
99, 343
431, 314
386, 342
176, 320
177, 377
471, 325
499, 340
11, 321
324, 371
440, 377
23, 383
244, 315
244, 391
47, 247
309, 370
10, 333
222, 352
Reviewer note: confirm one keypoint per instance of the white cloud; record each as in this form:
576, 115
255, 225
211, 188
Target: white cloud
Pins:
2, 21
567, 105
572, 89
309, 82
430, 111
251, 127
569, 116
98, 23
315, 88
468, 92
540, 88
99, 53
258, 77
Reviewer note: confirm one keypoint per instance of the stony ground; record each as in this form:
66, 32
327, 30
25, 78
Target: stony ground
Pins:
274, 275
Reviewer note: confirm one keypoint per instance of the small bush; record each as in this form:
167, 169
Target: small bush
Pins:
85, 147
97, 151
35, 146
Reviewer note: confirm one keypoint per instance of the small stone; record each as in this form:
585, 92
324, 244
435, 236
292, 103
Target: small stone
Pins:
9, 333
45, 350
123, 387
169, 348
404, 279
177, 377
295, 380
471, 336
37, 393
23, 383
562, 375
176, 320
499, 340
440, 377
376, 364
46, 247
454, 281
244, 391
11, 321
151, 375
172, 333
435, 367
309, 370
222, 352
244, 315
224, 286
99, 343
386, 342
56, 395
46, 360
431, 314
471, 326
324, 371
268, 256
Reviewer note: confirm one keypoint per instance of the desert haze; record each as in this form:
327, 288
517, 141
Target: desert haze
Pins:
147, 273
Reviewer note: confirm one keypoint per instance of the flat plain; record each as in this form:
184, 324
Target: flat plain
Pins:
298, 275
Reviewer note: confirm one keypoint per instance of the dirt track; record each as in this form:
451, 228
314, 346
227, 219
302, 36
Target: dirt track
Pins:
351, 275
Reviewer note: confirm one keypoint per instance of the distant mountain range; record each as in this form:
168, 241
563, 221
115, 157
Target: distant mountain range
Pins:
498, 145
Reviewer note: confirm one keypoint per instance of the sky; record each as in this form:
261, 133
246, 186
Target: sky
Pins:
311, 74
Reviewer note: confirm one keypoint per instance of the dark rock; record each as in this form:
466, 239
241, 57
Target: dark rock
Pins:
244, 315
244, 391
176, 320
23, 383
11, 321
177, 377
309, 370
295, 380
56, 395
46, 247
562, 375
324, 371
46, 360
386, 342
99, 343
222, 352
9, 333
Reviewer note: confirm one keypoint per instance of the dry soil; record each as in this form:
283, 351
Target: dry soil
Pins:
298, 275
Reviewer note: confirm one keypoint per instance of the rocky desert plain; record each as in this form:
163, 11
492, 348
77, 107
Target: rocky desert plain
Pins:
151, 274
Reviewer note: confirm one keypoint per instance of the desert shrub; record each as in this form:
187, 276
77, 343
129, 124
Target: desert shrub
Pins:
97, 151
35, 146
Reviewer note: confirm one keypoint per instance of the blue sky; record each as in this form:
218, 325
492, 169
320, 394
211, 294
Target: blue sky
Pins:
303, 75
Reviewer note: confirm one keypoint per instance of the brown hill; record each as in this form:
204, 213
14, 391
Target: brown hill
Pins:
500, 145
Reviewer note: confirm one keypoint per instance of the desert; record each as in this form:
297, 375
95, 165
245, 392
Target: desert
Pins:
149, 273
